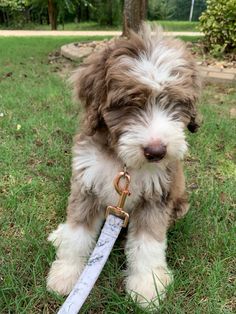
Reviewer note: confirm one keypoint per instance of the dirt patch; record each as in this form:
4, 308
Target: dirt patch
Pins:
60, 65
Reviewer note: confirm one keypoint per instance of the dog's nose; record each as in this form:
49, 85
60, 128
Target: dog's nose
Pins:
155, 152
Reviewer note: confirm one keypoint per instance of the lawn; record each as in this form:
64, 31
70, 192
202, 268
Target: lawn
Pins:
177, 26
37, 122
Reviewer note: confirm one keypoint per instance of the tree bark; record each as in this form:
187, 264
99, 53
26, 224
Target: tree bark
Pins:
52, 13
79, 12
134, 13
2, 20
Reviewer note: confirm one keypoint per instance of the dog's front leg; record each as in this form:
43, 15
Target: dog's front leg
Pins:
147, 273
74, 241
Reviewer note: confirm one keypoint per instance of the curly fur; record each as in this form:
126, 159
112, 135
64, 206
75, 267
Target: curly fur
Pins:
135, 93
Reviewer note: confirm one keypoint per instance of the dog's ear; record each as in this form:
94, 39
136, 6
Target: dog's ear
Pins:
90, 89
193, 126
194, 121
195, 89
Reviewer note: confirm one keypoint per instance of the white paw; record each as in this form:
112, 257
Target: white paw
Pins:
148, 287
56, 236
63, 276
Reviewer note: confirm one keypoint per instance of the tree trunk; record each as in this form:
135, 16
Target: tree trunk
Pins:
7, 19
134, 13
1, 17
52, 13
87, 13
79, 13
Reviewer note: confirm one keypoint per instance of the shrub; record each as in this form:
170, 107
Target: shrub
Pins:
109, 12
160, 9
218, 23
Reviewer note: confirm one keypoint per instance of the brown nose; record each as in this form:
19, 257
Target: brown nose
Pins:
155, 152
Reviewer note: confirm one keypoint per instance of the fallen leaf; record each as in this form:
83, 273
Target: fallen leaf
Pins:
232, 113
193, 186
9, 74
38, 142
229, 155
223, 197
50, 162
220, 146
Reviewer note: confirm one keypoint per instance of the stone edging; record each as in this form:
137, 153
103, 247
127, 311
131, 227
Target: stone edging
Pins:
216, 74
209, 73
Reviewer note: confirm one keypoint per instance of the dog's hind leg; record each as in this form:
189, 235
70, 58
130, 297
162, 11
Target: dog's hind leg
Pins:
74, 241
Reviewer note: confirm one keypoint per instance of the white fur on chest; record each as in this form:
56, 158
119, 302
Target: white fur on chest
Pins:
97, 170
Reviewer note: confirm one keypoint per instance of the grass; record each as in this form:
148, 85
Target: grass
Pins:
177, 26
37, 123
180, 26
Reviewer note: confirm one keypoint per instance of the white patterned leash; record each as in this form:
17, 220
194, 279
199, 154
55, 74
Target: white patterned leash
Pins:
116, 218
95, 264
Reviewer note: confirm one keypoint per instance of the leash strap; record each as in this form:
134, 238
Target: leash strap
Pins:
95, 264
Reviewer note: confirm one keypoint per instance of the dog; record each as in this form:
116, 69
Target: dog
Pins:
139, 95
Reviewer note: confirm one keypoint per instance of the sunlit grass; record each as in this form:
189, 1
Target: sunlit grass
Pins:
37, 123
177, 26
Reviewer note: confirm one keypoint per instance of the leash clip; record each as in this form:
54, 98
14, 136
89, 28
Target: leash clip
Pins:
123, 192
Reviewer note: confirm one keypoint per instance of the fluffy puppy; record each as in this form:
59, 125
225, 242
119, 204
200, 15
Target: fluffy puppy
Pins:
139, 96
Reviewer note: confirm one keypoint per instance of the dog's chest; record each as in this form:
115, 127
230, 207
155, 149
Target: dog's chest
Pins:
97, 171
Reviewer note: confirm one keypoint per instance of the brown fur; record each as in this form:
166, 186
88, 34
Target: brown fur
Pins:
83, 207
155, 215
111, 97
100, 82
103, 83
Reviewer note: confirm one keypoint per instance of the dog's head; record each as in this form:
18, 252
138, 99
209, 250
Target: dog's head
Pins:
142, 92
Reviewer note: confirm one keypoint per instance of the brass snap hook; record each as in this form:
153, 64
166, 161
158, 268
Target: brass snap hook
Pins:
126, 177
123, 192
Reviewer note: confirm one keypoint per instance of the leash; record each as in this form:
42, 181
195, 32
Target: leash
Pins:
116, 218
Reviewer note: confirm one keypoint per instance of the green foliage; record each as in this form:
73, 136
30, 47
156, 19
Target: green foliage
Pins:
13, 10
17, 13
161, 9
183, 9
174, 9
109, 12
13, 4
218, 23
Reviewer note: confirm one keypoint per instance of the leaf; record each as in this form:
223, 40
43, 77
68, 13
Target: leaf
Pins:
9, 74
223, 197
232, 113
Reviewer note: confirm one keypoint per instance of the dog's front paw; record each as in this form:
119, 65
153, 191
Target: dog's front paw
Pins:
63, 276
148, 287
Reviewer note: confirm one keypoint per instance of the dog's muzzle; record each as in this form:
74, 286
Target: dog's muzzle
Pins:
155, 152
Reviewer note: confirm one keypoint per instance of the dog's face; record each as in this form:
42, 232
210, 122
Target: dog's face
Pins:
146, 135
142, 92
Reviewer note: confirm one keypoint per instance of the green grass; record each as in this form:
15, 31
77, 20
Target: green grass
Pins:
177, 26
36, 132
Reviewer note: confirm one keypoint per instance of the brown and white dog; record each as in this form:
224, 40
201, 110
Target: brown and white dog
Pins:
139, 96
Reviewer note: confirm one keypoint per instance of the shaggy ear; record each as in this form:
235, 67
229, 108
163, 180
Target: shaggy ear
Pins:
90, 89
193, 126
195, 119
